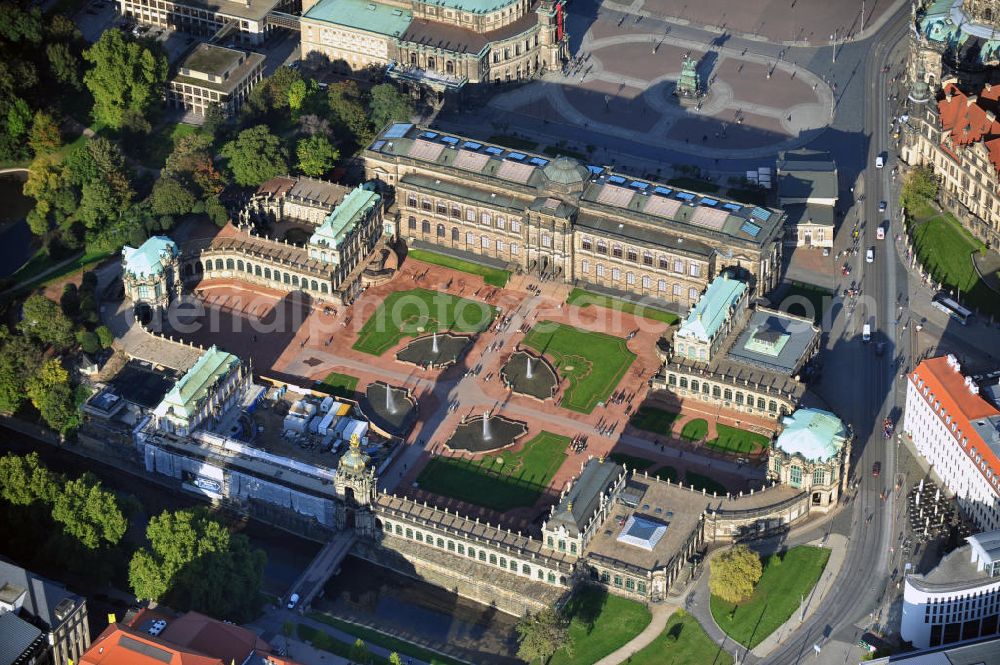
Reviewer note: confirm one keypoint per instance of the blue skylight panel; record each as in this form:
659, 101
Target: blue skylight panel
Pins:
449, 140
750, 229
538, 161
685, 196
377, 145
761, 214
472, 145
517, 156
429, 135
662, 191
398, 130
709, 202
641, 186
732, 207
616, 180
595, 170
493, 150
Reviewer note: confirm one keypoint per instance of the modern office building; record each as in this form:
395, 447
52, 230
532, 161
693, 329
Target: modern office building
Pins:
442, 45
959, 599
582, 224
958, 432
40, 618
244, 21
215, 75
813, 452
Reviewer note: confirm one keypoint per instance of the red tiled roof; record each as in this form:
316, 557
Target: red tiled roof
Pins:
948, 387
969, 120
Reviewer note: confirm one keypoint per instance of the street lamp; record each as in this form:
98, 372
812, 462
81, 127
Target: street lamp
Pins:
834, 38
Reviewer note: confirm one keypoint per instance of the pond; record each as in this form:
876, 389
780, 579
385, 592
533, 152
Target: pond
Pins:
15, 236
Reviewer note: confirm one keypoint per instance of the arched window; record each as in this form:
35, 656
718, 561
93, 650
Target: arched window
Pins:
323, 287
218, 264
267, 273
451, 545
431, 63
526, 569
286, 278
425, 226
440, 230
449, 67
716, 392
493, 559
727, 394
239, 266
694, 385
277, 276
819, 477
412, 223
295, 280
739, 397
314, 285
684, 382
256, 271
760, 403
440, 542
409, 533
472, 553
454, 234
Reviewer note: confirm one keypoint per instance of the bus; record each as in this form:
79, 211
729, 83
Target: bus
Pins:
952, 308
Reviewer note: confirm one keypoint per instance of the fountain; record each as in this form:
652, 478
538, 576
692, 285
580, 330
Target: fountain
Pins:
394, 411
529, 375
486, 426
434, 350
434, 347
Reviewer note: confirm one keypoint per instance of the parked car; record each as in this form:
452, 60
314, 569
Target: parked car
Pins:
876, 469
870, 256
882, 206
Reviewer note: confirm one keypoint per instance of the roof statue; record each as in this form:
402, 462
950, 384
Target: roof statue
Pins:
688, 88
354, 461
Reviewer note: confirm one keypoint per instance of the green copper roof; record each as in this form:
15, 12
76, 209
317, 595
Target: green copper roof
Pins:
197, 382
812, 433
343, 218
362, 15
473, 6
712, 309
146, 261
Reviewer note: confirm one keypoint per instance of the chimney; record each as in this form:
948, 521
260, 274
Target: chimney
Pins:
970, 100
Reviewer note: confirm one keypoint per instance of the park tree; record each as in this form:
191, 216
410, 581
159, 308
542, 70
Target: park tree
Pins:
395, 659
735, 573
348, 114
89, 512
105, 337
359, 653
312, 125
388, 104
255, 155
316, 155
194, 562
18, 118
64, 64
44, 320
920, 187
20, 25
542, 634
50, 391
45, 134
88, 341
297, 93
216, 211
19, 358
25, 480
125, 75
170, 197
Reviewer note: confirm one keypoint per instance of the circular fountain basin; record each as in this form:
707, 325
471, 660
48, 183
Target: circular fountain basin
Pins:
397, 415
421, 351
541, 384
502, 432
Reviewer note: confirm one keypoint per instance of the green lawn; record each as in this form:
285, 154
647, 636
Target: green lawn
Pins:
700, 482
418, 312
584, 298
371, 636
786, 579
593, 363
695, 430
492, 276
161, 141
694, 184
27, 277
512, 142
738, 441
945, 249
682, 642
499, 482
653, 419
600, 623
338, 385
817, 297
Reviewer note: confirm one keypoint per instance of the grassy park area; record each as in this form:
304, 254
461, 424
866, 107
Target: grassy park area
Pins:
338, 385
600, 623
491, 276
694, 430
787, 578
737, 441
593, 363
584, 298
653, 419
419, 312
682, 642
499, 482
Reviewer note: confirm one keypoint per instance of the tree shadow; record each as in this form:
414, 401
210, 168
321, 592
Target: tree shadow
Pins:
586, 606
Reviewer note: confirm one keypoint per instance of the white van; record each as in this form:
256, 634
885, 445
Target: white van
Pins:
870, 256
866, 333
879, 161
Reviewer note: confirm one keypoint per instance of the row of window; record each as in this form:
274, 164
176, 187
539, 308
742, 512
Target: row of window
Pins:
677, 290
724, 393
480, 554
795, 474
257, 271
620, 582
485, 242
442, 209
561, 545
632, 254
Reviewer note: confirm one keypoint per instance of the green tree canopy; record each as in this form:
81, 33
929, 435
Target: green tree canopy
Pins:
919, 187
19, 359
45, 134
735, 573
359, 653
24, 480
316, 155
255, 155
388, 104
64, 64
170, 197
542, 634
52, 394
125, 76
193, 562
89, 512
18, 118
348, 114
45, 321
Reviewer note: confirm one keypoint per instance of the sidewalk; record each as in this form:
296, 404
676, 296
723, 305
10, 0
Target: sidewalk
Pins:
661, 614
